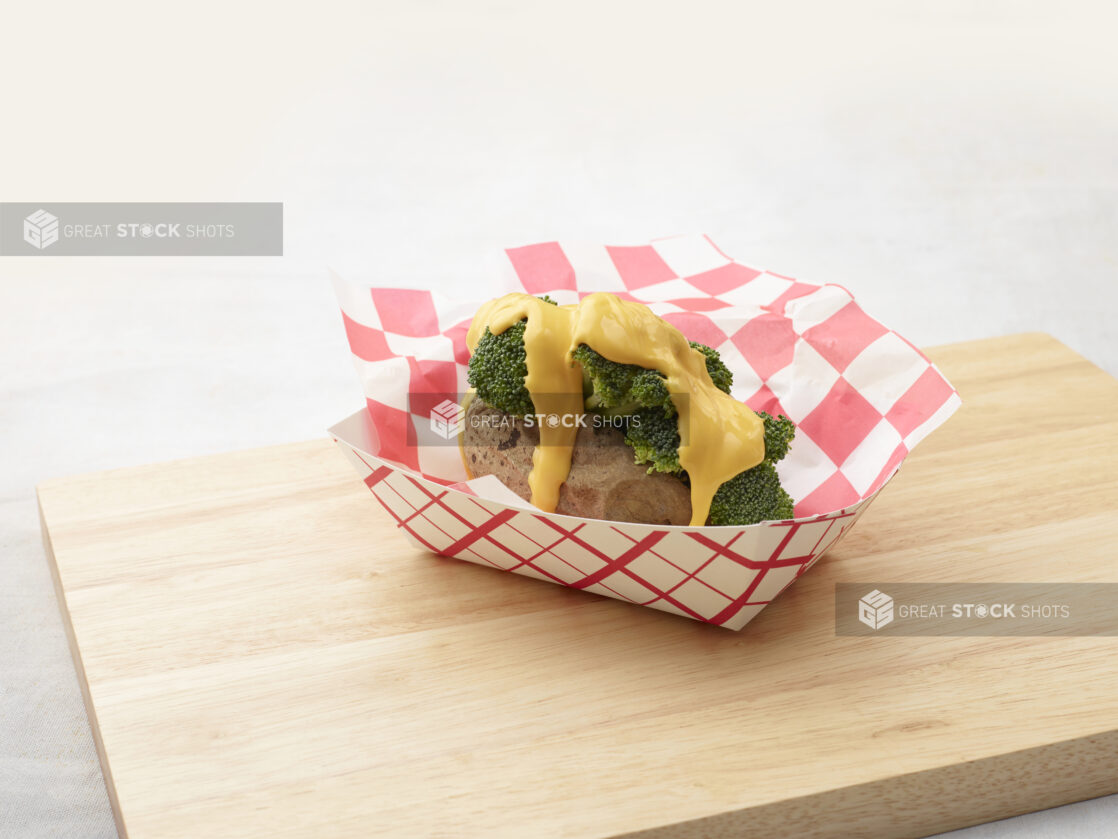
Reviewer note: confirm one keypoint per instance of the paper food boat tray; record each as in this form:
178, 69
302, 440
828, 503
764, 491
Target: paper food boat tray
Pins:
861, 397
720, 575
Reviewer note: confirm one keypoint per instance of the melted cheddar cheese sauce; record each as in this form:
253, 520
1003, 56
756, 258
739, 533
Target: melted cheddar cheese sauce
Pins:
722, 436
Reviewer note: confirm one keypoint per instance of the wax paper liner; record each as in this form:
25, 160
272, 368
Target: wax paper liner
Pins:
861, 397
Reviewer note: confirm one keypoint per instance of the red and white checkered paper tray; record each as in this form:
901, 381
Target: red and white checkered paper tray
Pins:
861, 397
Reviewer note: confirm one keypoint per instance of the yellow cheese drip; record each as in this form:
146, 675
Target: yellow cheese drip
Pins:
553, 381
720, 437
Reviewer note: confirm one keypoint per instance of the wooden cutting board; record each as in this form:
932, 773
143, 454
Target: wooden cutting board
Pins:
264, 655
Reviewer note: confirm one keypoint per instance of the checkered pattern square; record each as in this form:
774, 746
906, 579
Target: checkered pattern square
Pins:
861, 395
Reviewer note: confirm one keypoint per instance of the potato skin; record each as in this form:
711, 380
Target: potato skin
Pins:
604, 481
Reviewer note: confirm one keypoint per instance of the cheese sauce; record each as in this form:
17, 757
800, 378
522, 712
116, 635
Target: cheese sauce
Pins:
720, 436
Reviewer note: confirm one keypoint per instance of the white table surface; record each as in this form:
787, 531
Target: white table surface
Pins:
955, 166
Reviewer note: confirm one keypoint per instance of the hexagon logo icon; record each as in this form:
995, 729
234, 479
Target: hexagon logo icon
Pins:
40, 229
875, 610
446, 419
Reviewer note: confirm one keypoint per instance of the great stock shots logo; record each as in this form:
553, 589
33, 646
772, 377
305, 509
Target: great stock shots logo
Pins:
54, 229
40, 229
438, 419
875, 610
1021, 609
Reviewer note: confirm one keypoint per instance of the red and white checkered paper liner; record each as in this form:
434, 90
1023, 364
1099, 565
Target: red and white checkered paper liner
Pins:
861, 397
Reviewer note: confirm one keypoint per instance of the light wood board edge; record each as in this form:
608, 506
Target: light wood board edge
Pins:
83, 682
998, 787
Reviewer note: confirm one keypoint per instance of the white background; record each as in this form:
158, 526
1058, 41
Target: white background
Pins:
954, 164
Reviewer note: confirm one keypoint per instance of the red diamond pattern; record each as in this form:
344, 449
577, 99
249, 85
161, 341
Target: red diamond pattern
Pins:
840, 422
393, 427
721, 280
542, 268
842, 336
765, 400
457, 336
699, 304
768, 343
366, 342
640, 266
431, 383
910, 412
697, 327
406, 311
797, 289
833, 494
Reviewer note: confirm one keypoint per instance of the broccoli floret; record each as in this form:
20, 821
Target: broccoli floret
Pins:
606, 383
779, 432
498, 368
650, 390
624, 389
654, 436
753, 496
719, 373
756, 495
